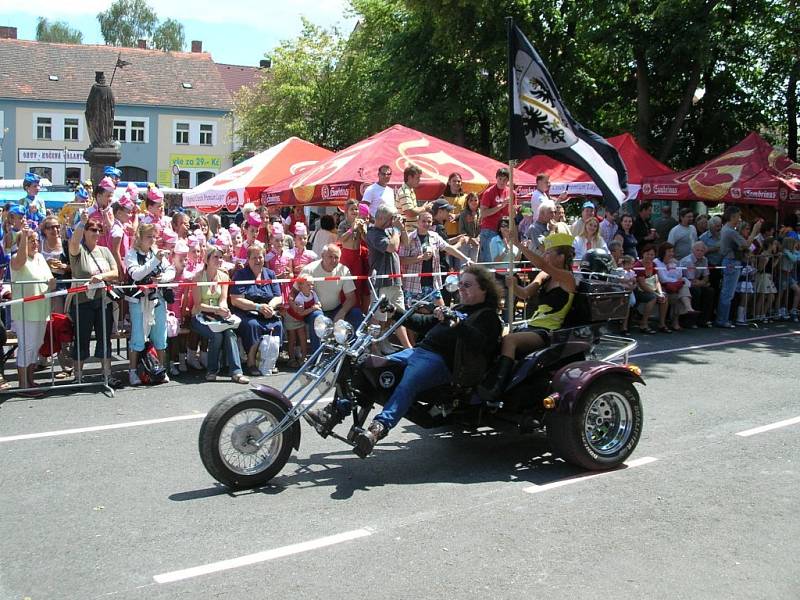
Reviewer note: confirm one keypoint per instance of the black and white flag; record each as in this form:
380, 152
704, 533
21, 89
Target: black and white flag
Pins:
541, 124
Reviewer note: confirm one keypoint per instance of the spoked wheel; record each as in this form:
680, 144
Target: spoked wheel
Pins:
604, 428
227, 441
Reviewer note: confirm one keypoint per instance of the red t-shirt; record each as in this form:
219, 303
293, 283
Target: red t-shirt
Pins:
489, 199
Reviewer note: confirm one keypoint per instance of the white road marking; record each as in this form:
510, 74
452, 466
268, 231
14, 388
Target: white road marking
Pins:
725, 343
44, 434
638, 462
258, 557
763, 428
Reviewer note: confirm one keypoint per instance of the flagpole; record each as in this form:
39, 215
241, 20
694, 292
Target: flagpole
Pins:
512, 225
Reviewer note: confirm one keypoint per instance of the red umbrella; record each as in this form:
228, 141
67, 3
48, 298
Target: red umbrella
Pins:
347, 174
574, 181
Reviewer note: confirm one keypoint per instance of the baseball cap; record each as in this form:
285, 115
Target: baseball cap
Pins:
440, 204
588, 204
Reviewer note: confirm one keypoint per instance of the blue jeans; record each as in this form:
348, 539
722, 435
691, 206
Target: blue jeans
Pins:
730, 276
354, 316
424, 370
486, 237
158, 331
216, 342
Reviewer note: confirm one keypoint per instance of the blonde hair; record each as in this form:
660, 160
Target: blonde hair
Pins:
247, 209
144, 228
597, 239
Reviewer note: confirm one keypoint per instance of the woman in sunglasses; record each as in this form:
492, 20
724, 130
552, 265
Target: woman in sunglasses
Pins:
91, 310
54, 251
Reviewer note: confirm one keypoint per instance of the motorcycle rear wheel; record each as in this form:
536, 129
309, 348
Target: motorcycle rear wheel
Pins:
604, 428
226, 436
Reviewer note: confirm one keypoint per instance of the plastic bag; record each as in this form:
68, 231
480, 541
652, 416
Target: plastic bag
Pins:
268, 350
172, 325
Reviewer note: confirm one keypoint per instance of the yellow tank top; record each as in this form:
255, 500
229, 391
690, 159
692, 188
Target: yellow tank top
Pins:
554, 304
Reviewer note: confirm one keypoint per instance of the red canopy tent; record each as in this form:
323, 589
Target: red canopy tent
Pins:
751, 172
245, 182
347, 174
565, 178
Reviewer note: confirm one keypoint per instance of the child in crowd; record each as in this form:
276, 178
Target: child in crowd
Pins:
767, 263
789, 259
181, 307
629, 282
303, 303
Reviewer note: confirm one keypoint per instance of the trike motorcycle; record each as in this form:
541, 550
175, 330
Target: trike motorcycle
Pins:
588, 406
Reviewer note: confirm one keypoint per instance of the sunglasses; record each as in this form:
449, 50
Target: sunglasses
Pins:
94, 229
53, 227
385, 173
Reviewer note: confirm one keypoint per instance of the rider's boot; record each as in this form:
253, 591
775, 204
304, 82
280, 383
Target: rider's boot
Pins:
325, 419
492, 395
366, 440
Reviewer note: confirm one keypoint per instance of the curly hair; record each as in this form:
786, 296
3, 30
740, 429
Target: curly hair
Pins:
486, 281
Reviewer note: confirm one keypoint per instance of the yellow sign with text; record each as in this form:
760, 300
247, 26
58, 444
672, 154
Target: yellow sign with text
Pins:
195, 161
164, 178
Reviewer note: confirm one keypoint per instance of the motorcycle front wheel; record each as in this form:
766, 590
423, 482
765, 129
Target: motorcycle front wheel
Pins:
226, 441
604, 428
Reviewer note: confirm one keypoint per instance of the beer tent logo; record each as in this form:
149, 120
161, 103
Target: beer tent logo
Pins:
541, 124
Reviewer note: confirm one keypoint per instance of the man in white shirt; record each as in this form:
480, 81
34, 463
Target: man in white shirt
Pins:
337, 298
542, 192
379, 193
683, 235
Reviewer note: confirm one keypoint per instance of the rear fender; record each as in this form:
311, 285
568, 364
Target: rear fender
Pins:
573, 380
270, 393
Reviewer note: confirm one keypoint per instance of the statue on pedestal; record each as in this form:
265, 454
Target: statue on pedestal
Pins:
103, 150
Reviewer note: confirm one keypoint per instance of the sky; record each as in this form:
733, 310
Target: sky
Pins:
236, 32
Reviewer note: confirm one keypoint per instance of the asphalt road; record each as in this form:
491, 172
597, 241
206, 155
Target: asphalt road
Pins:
703, 513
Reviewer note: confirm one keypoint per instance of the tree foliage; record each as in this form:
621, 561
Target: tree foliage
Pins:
57, 31
621, 65
169, 35
127, 21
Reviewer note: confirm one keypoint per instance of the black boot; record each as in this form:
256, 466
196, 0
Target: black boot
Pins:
324, 419
366, 441
493, 394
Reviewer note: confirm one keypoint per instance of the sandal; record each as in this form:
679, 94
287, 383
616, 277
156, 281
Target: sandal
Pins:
647, 330
664, 329
240, 378
211, 376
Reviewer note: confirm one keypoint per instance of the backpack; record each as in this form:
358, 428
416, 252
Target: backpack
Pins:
149, 368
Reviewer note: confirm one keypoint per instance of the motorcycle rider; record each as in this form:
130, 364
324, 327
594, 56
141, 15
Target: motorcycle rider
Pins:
554, 288
430, 363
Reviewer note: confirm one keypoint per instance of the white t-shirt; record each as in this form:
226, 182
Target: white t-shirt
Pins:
322, 237
329, 292
375, 195
536, 202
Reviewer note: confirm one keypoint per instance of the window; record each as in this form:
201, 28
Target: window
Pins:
206, 134
44, 128
120, 130
183, 180
133, 174
43, 172
181, 133
71, 129
72, 176
137, 131
203, 176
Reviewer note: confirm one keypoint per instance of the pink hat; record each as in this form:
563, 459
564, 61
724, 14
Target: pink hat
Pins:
127, 202
181, 247
363, 210
234, 229
155, 195
132, 189
224, 236
195, 241
300, 229
168, 238
277, 230
253, 219
107, 184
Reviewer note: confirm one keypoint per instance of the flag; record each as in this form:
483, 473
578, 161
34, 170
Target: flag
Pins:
121, 63
540, 123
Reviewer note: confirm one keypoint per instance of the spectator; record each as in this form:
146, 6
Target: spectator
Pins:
300, 256
589, 238
469, 226
493, 202
558, 215
442, 214
252, 226
406, 201
766, 292
673, 283
337, 298
31, 183
384, 240
502, 245
298, 217
643, 228
101, 209
732, 248
257, 305
542, 193
91, 310
148, 310
180, 225
629, 282
120, 238
352, 237
790, 257
201, 224
454, 194
422, 254
666, 221
587, 212
609, 227
54, 250
711, 238
683, 235
630, 244
649, 292
324, 235
615, 250
154, 212
540, 228
211, 304
181, 307
379, 193
701, 224
695, 271
11, 226
303, 304
30, 318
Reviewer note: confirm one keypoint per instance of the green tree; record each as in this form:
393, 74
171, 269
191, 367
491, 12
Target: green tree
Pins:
169, 35
127, 21
57, 31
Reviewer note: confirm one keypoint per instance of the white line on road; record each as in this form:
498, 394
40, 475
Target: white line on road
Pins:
725, 343
535, 489
258, 557
44, 434
763, 428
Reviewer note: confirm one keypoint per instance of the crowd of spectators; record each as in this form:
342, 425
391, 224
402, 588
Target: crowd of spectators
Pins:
694, 271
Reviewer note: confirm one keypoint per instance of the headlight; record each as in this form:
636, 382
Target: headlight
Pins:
342, 331
374, 330
323, 327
